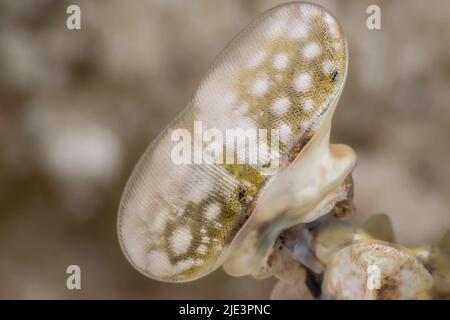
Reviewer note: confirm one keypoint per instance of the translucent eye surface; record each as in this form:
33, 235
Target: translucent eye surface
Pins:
177, 221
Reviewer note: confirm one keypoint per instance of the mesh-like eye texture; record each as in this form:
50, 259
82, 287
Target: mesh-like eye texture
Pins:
282, 72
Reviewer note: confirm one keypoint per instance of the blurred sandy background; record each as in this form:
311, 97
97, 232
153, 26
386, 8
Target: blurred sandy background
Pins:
77, 108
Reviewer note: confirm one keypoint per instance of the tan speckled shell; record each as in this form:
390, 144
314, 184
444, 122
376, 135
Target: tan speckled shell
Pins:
401, 275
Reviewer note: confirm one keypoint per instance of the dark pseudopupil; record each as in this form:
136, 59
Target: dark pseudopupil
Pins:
334, 75
242, 195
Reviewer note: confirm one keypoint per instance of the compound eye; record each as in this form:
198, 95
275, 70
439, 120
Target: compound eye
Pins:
334, 76
242, 195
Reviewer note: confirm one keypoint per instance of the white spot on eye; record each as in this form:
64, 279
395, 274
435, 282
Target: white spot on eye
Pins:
309, 105
281, 105
242, 109
198, 262
212, 211
285, 133
202, 249
158, 264
196, 195
311, 50
180, 240
305, 126
205, 239
178, 212
337, 46
183, 265
303, 82
159, 221
331, 22
327, 67
280, 61
259, 87
299, 30
257, 60
229, 97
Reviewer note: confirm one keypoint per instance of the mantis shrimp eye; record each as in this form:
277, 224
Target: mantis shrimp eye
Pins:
180, 220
